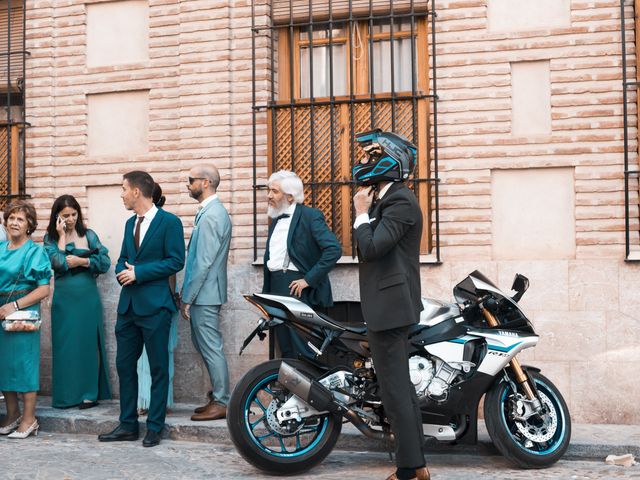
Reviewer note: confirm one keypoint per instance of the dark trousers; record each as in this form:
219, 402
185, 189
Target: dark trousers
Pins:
132, 333
289, 341
390, 352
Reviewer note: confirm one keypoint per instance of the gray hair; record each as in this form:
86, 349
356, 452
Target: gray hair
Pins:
290, 183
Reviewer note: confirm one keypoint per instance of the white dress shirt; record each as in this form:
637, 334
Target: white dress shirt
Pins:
144, 226
278, 244
204, 203
364, 217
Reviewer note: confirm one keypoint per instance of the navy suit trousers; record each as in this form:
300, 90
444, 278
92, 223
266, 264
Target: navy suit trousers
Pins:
132, 333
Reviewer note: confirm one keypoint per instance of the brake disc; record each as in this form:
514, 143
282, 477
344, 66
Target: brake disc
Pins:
541, 428
290, 427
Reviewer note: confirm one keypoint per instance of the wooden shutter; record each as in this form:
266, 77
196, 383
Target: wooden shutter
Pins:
9, 168
11, 42
298, 10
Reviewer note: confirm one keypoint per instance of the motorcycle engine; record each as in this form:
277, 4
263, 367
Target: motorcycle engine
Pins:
431, 378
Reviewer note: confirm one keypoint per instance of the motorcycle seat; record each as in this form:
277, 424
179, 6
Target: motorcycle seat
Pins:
357, 328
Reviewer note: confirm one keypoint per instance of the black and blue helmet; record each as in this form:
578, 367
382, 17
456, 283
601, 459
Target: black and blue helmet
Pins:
392, 158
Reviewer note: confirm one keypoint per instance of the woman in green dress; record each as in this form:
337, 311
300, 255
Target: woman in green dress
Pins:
79, 374
24, 283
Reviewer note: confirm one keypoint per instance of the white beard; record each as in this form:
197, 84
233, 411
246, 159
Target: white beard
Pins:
274, 212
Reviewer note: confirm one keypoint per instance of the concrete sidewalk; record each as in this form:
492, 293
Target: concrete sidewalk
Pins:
587, 441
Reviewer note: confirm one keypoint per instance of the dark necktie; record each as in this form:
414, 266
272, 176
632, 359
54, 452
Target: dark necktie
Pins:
136, 234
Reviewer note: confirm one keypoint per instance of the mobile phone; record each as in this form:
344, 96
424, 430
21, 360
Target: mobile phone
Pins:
60, 219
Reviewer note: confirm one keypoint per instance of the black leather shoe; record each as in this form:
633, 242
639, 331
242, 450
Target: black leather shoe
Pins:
151, 439
118, 435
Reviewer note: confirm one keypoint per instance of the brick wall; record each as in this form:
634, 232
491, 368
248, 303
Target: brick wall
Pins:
198, 76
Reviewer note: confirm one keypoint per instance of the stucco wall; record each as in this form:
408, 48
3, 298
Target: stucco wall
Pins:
196, 77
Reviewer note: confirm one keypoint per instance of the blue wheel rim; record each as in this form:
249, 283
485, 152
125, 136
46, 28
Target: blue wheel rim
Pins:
300, 446
554, 442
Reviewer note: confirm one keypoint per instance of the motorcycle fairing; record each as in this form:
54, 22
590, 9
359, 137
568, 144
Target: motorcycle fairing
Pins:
420, 335
475, 284
502, 346
435, 311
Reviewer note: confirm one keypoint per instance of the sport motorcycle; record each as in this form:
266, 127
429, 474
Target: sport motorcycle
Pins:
285, 416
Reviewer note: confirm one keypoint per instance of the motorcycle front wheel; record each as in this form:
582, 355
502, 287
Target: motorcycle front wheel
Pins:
536, 442
261, 439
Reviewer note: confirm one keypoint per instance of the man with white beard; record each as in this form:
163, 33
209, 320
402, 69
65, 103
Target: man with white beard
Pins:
300, 253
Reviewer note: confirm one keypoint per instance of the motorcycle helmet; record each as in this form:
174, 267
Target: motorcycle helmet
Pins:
391, 158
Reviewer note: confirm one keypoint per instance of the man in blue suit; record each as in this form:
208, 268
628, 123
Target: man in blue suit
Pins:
152, 251
205, 286
300, 253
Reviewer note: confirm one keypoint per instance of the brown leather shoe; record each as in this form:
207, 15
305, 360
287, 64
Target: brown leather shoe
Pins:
215, 411
204, 407
421, 474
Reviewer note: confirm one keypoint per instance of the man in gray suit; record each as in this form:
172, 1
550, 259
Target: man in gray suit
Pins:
205, 285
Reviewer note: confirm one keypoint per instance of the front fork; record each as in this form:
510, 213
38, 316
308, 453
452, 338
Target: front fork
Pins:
520, 376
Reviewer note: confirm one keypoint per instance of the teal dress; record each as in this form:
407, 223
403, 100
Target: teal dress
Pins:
144, 371
20, 351
77, 327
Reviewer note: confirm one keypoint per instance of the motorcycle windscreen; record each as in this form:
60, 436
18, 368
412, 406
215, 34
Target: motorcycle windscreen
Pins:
467, 289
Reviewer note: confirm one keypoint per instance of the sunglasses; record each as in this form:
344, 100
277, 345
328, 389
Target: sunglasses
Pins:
193, 179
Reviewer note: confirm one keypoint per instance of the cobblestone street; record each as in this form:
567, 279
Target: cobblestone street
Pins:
77, 457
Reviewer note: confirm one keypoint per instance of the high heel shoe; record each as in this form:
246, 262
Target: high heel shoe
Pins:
32, 429
11, 427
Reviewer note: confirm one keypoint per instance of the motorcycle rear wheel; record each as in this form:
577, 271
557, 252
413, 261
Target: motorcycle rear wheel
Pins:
258, 436
537, 442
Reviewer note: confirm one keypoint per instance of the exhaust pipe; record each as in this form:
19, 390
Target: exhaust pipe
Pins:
311, 391
321, 398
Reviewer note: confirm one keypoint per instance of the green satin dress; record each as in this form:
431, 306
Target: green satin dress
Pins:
77, 327
23, 270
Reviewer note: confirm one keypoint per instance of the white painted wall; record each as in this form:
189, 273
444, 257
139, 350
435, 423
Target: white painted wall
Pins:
118, 124
533, 213
519, 15
117, 33
107, 216
530, 98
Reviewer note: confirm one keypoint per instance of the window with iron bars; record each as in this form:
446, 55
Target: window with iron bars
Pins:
337, 68
12, 124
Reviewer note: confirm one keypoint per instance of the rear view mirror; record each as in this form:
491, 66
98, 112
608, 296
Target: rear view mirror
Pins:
520, 285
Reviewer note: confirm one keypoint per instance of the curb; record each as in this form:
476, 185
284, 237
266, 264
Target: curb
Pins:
588, 441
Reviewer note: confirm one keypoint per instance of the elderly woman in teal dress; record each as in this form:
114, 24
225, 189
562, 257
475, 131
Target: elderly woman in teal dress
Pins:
24, 283
79, 374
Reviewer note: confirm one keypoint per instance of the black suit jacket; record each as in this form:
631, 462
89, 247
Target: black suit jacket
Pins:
389, 254
313, 249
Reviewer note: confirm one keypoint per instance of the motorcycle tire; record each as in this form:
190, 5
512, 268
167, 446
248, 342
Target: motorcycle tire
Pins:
537, 442
258, 436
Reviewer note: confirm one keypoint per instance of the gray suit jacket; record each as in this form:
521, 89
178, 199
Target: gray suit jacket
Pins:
205, 278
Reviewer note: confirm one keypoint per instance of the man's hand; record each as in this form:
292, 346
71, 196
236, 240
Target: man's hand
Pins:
74, 261
128, 276
362, 200
297, 286
185, 309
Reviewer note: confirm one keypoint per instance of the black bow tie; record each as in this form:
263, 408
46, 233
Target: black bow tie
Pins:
280, 217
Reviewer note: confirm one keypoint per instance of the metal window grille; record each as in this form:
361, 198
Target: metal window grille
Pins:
631, 174
333, 69
12, 94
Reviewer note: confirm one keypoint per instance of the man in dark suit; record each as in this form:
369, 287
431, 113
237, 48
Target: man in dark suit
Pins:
300, 253
152, 251
388, 233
